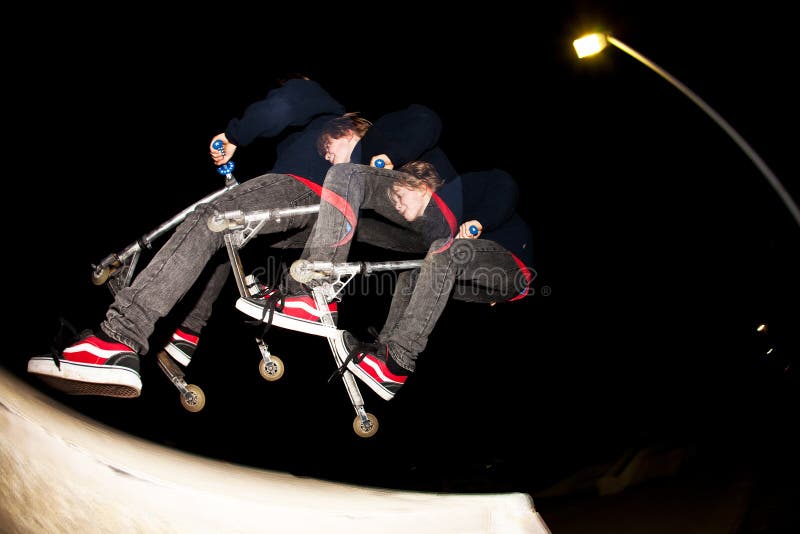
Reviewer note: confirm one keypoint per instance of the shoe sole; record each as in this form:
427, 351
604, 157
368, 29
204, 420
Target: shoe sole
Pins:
86, 379
369, 381
284, 321
177, 354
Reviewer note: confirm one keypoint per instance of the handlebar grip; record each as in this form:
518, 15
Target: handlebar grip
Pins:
219, 145
226, 169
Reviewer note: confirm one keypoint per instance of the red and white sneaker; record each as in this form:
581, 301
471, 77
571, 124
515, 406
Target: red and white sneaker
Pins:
371, 363
295, 312
91, 366
182, 346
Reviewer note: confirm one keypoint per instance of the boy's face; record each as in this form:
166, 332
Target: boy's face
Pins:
410, 203
340, 150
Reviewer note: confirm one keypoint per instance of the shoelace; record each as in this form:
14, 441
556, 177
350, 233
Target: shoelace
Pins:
60, 342
356, 354
273, 299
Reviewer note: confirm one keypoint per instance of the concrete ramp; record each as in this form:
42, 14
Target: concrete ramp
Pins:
61, 471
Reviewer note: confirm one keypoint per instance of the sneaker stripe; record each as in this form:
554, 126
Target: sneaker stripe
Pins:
106, 345
180, 335
381, 372
369, 370
304, 308
87, 352
301, 308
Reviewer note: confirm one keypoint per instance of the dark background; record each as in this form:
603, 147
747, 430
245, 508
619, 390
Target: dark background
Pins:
659, 246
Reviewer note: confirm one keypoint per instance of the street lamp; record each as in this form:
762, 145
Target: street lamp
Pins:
595, 42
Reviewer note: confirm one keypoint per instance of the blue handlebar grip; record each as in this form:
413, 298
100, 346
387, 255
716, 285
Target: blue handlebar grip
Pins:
473, 229
226, 168
379, 163
219, 145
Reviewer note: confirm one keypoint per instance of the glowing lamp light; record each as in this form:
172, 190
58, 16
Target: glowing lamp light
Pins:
595, 42
589, 45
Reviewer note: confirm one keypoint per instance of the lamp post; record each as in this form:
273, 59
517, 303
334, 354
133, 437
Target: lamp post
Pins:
595, 42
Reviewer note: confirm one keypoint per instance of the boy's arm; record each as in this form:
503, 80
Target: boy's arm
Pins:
404, 135
293, 104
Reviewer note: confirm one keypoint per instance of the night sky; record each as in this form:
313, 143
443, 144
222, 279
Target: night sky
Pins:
659, 246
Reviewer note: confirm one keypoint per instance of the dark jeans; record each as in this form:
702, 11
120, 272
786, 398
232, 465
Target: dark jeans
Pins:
472, 270
475, 270
179, 263
176, 266
372, 231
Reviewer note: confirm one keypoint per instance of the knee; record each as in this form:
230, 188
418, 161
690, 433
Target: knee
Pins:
197, 219
340, 172
191, 219
439, 253
201, 214
437, 245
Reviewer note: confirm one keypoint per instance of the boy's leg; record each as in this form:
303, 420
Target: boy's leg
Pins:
404, 288
482, 270
178, 264
184, 340
384, 366
107, 363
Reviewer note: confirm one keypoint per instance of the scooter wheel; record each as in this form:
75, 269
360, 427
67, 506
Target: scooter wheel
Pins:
271, 371
100, 276
365, 429
196, 400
